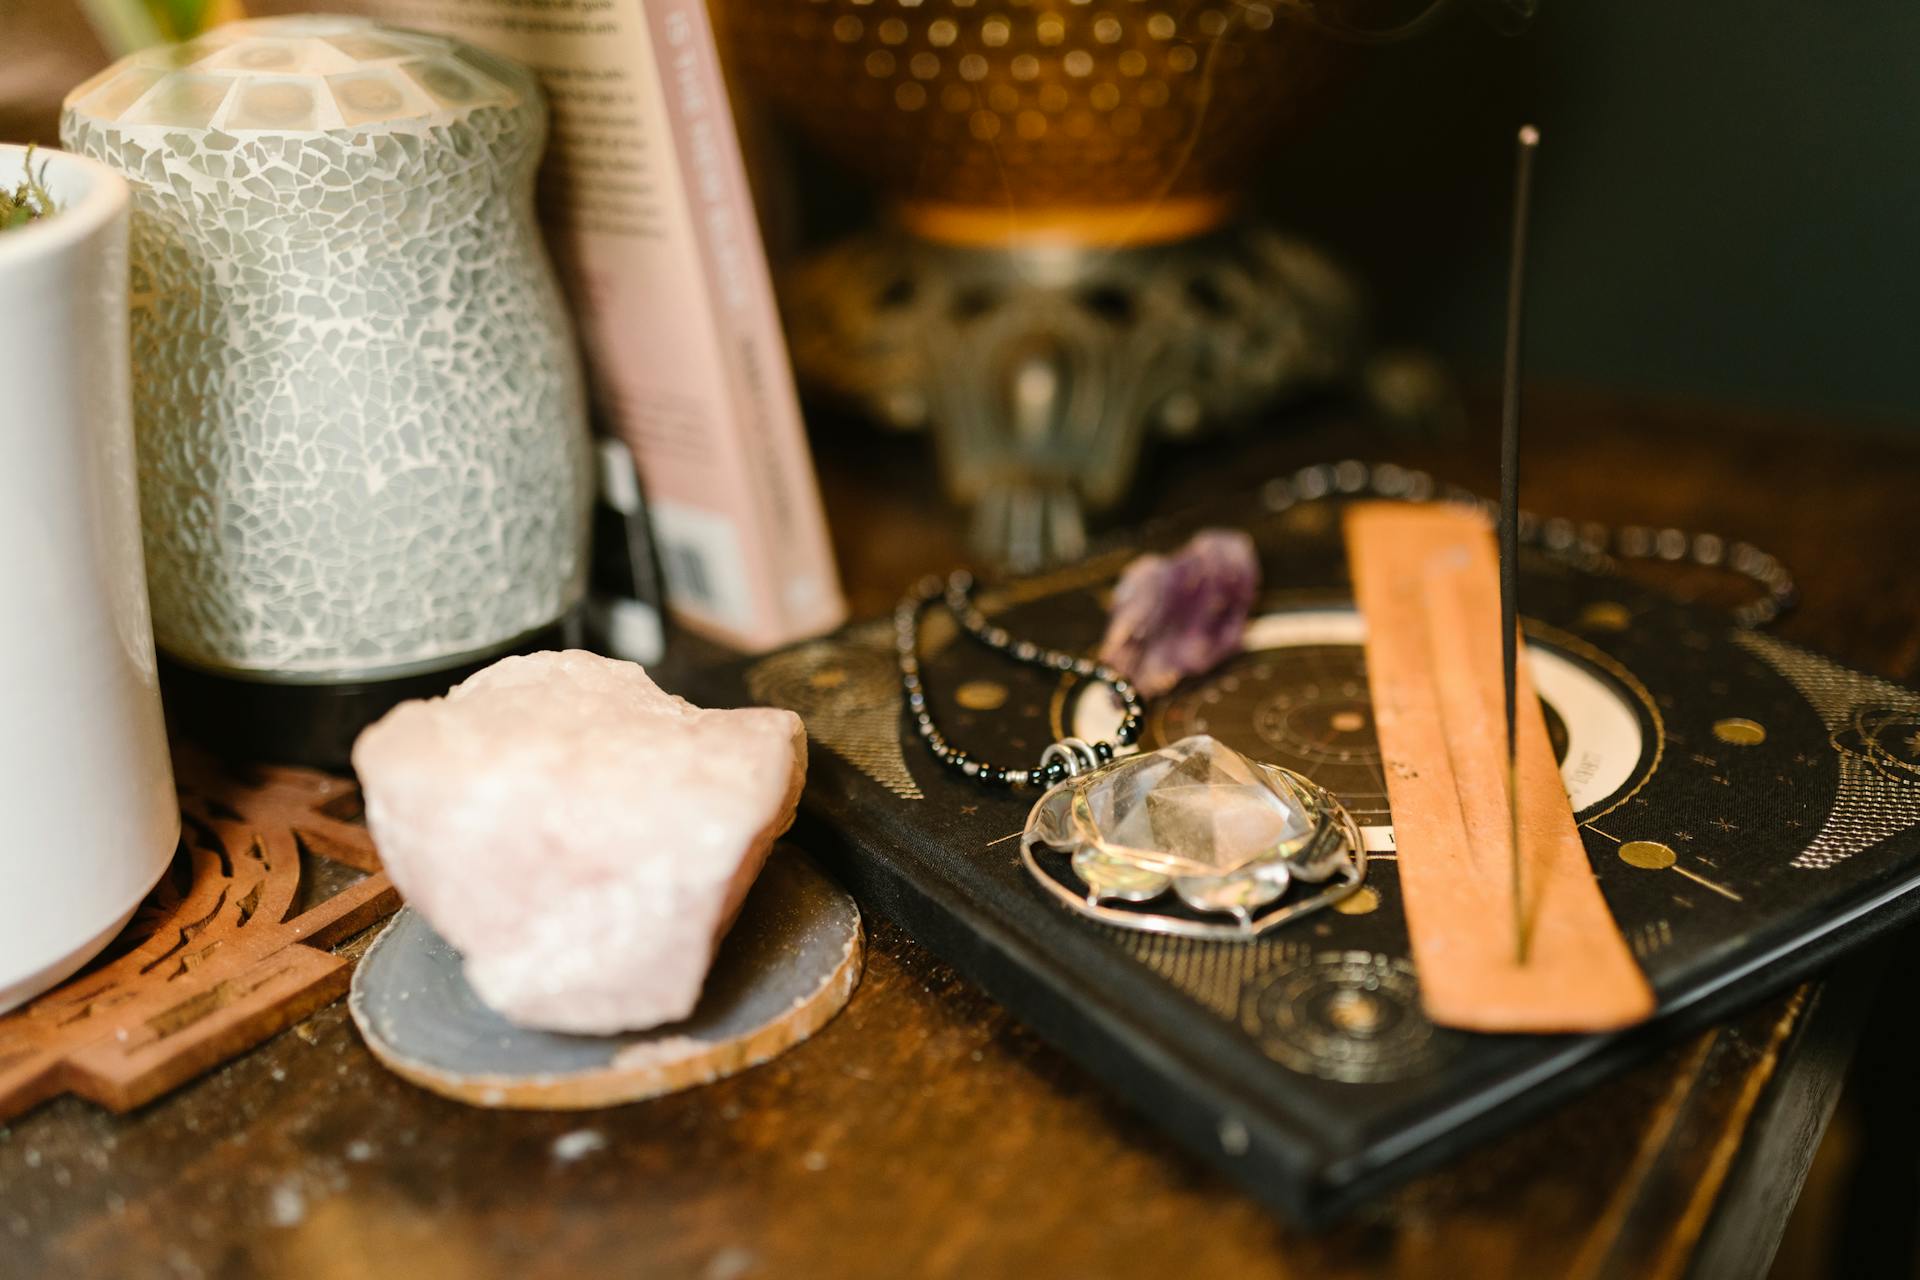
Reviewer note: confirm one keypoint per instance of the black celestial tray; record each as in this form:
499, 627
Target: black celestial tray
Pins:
1750, 809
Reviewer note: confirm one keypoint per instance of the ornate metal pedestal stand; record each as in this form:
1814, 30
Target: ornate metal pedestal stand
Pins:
1040, 370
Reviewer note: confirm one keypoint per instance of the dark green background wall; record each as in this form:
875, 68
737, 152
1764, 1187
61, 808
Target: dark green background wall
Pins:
1728, 199
1728, 203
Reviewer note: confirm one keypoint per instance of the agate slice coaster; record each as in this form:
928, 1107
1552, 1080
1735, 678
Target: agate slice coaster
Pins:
790, 962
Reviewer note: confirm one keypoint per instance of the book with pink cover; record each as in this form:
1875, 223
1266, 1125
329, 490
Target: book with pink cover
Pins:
650, 217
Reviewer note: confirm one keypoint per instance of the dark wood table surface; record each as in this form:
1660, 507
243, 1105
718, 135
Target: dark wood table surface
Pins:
923, 1132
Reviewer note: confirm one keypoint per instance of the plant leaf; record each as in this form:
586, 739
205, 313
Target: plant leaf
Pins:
186, 18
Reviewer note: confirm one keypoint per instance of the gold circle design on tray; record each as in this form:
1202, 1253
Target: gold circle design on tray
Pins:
981, 695
1740, 732
1365, 901
1355, 1012
1351, 1016
1648, 855
1605, 615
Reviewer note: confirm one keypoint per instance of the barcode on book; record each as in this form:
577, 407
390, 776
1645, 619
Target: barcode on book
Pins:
701, 556
688, 573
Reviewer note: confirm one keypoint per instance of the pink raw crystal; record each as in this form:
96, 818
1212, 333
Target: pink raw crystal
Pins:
1179, 615
581, 837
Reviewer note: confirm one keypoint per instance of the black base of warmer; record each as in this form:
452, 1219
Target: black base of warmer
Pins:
315, 723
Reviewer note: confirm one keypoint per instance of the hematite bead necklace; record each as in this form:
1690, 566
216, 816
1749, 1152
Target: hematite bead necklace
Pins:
1061, 760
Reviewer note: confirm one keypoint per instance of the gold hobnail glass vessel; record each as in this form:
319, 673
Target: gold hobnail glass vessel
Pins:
1109, 121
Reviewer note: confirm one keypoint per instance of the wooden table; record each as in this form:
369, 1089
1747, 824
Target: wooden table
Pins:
923, 1133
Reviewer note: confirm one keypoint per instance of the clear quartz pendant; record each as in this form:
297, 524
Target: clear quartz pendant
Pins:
1117, 879
1239, 894
1193, 839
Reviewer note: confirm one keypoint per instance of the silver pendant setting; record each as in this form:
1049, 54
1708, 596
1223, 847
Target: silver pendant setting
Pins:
1195, 840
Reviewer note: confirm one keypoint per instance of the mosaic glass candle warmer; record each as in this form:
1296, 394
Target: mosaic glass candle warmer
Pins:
360, 419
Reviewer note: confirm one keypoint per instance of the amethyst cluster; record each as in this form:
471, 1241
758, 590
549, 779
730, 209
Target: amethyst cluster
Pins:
1179, 615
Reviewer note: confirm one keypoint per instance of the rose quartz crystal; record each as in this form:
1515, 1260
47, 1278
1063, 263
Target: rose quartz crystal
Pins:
1183, 614
581, 837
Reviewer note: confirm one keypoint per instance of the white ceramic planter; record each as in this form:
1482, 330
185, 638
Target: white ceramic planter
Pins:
86, 789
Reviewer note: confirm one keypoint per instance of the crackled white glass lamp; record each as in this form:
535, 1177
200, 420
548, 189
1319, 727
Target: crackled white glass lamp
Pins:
363, 451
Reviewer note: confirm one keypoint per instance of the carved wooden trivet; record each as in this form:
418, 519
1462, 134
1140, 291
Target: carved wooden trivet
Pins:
229, 948
787, 966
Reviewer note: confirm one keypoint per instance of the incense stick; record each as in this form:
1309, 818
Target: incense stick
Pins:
1525, 144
